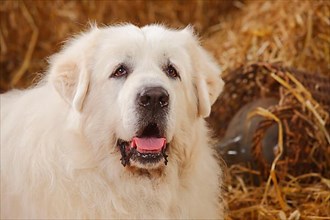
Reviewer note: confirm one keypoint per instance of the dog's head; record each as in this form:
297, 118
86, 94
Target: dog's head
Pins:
131, 89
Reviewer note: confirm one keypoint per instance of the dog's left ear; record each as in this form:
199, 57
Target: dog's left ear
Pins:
207, 78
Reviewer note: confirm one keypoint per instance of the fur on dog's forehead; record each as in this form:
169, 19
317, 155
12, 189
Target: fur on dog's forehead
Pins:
129, 41
151, 35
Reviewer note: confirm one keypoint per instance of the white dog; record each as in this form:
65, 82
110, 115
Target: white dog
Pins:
116, 129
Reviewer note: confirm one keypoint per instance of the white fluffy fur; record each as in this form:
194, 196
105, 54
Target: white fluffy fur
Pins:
59, 157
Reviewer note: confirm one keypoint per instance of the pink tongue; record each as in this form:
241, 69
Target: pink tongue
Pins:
148, 144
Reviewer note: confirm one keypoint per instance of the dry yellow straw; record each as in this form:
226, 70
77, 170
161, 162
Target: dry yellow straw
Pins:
299, 92
272, 176
28, 55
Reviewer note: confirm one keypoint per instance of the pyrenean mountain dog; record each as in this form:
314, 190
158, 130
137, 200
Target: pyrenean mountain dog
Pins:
116, 129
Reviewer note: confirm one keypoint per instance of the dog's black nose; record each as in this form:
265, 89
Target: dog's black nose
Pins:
153, 98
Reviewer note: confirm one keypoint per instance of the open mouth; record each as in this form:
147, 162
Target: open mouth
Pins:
148, 147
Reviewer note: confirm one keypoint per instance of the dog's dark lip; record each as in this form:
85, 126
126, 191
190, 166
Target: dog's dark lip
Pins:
121, 143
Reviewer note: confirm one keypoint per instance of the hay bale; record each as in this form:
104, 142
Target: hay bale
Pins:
293, 198
295, 33
255, 46
305, 119
296, 184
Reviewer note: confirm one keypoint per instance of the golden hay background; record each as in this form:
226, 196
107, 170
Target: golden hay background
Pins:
293, 33
33, 30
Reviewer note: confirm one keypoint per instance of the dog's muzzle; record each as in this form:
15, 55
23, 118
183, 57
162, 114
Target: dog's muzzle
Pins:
149, 144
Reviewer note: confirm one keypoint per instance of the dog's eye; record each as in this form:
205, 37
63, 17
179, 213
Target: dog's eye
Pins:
120, 72
171, 71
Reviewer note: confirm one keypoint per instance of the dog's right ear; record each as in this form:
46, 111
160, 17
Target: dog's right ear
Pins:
71, 80
69, 72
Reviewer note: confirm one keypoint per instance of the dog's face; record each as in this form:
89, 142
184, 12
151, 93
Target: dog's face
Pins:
135, 89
